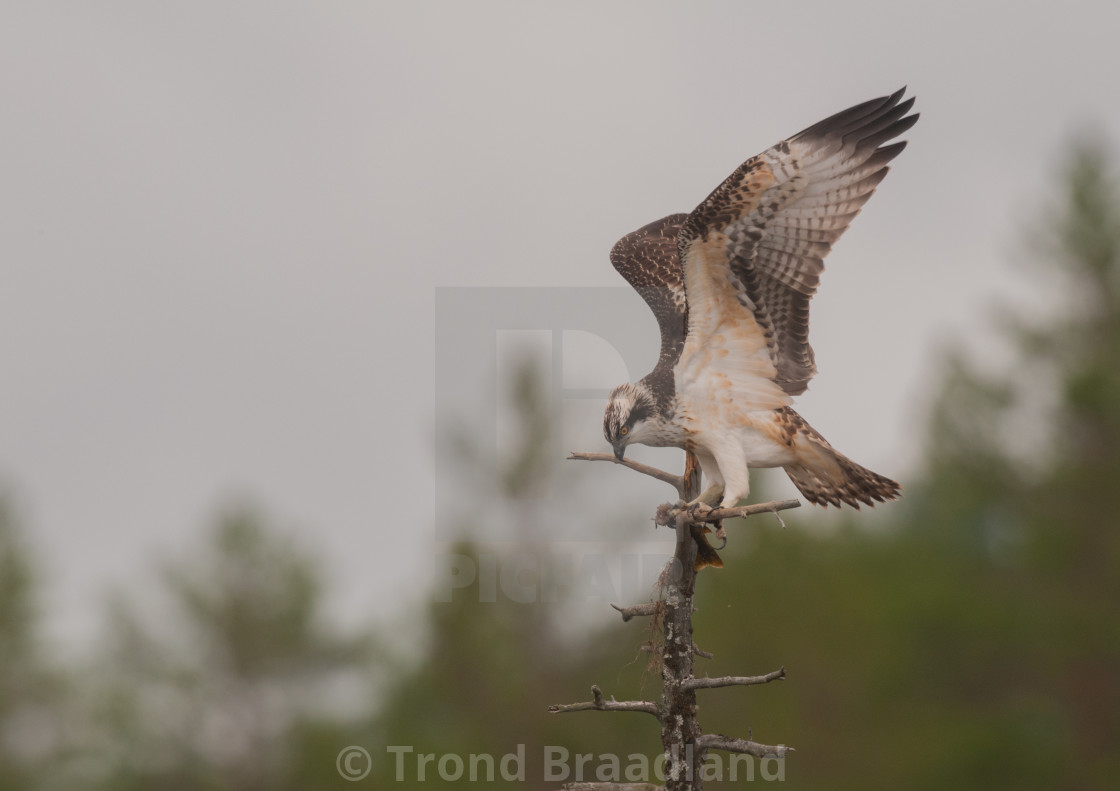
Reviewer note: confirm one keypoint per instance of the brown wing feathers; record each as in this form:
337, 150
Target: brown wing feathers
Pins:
647, 258
780, 213
782, 210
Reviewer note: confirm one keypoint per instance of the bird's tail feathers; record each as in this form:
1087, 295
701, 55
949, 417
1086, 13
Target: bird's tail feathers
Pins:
827, 477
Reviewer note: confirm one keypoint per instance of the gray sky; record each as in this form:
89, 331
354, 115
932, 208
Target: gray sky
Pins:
223, 224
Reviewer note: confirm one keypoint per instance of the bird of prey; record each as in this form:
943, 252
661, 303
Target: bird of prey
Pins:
730, 286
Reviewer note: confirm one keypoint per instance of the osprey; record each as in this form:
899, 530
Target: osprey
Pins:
730, 286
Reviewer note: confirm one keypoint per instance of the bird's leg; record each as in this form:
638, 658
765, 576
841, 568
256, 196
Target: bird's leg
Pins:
703, 504
708, 498
706, 554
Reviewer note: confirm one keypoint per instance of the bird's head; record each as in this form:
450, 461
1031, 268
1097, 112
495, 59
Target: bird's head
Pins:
629, 417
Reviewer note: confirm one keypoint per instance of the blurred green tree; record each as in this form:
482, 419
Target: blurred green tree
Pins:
498, 653
32, 692
239, 684
1024, 469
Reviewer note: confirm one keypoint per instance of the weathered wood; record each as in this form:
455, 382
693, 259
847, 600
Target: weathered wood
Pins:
684, 744
670, 514
635, 610
714, 741
677, 712
676, 481
600, 704
730, 681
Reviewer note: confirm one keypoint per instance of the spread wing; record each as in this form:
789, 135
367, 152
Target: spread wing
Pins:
647, 258
753, 251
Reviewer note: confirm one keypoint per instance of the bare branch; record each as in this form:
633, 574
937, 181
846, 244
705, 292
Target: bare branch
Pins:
599, 704
731, 681
771, 507
673, 514
715, 741
676, 481
649, 608
672, 614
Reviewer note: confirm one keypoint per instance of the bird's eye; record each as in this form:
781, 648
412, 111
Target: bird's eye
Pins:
624, 431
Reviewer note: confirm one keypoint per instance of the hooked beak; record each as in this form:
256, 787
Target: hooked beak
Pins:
619, 451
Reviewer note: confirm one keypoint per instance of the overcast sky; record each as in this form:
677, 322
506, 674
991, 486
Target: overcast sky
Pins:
223, 225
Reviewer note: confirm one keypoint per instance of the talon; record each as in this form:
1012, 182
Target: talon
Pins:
721, 534
698, 508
